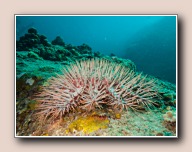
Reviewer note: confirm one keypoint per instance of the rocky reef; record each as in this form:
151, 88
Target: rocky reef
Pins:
38, 61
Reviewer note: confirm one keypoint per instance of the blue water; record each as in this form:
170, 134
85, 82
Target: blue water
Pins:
149, 41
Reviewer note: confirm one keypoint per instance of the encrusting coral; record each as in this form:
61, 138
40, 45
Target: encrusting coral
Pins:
88, 124
94, 84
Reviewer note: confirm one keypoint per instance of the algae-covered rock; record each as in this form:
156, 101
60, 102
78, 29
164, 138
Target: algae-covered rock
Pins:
47, 53
47, 69
32, 31
26, 85
44, 41
125, 62
58, 41
84, 49
33, 55
31, 40
97, 54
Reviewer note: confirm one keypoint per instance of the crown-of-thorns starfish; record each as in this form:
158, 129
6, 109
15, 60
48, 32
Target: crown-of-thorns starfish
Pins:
91, 84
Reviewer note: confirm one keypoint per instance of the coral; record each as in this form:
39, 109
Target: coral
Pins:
32, 31
169, 116
88, 124
31, 40
58, 41
85, 49
170, 121
95, 84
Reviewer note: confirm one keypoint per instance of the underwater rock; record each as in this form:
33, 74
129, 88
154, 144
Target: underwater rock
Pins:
35, 50
30, 81
75, 52
47, 69
58, 41
39, 46
42, 37
97, 54
47, 53
84, 49
125, 62
130, 64
112, 55
33, 55
31, 40
32, 31
170, 121
168, 96
70, 47
170, 116
159, 134
26, 85
60, 53
18, 55
44, 41
54, 53
167, 93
